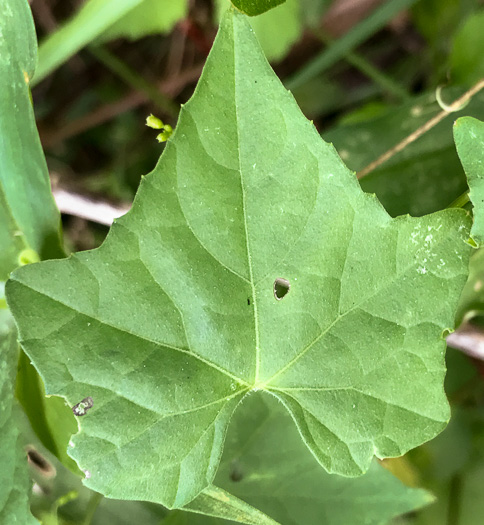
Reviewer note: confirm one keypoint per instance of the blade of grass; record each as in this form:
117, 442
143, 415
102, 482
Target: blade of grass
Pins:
367, 68
94, 18
339, 48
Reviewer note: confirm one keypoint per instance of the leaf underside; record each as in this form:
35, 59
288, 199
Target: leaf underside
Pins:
174, 320
29, 218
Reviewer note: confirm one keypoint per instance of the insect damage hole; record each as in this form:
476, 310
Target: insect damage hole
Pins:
39, 462
281, 288
81, 408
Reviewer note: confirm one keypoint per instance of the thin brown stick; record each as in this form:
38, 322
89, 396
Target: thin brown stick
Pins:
423, 129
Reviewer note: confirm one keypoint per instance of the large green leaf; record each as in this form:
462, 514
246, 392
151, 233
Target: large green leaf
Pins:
266, 464
427, 175
167, 326
14, 480
28, 216
469, 140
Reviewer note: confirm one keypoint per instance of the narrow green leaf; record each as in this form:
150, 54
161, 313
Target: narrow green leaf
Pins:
357, 35
14, 480
469, 141
256, 7
94, 17
216, 502
163, 330
29, 218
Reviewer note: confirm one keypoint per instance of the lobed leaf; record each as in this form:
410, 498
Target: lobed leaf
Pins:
29, 219
148, 17
169, 324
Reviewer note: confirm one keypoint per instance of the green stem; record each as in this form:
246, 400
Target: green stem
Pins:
92, 507
133, 79
461, 201
367, 68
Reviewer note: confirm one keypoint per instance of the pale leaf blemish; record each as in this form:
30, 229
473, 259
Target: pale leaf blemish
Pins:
416, 111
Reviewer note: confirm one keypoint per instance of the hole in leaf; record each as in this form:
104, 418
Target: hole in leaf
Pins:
83, 406
281, 288
37, 460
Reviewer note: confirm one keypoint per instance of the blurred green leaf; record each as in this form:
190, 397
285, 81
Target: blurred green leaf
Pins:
256, 7
467, 55
437, 21
148, 17
29, 219
14, 479
452, 466
469, 141
427, 175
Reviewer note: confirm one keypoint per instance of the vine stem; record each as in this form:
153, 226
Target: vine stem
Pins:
92, 507
455, 106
